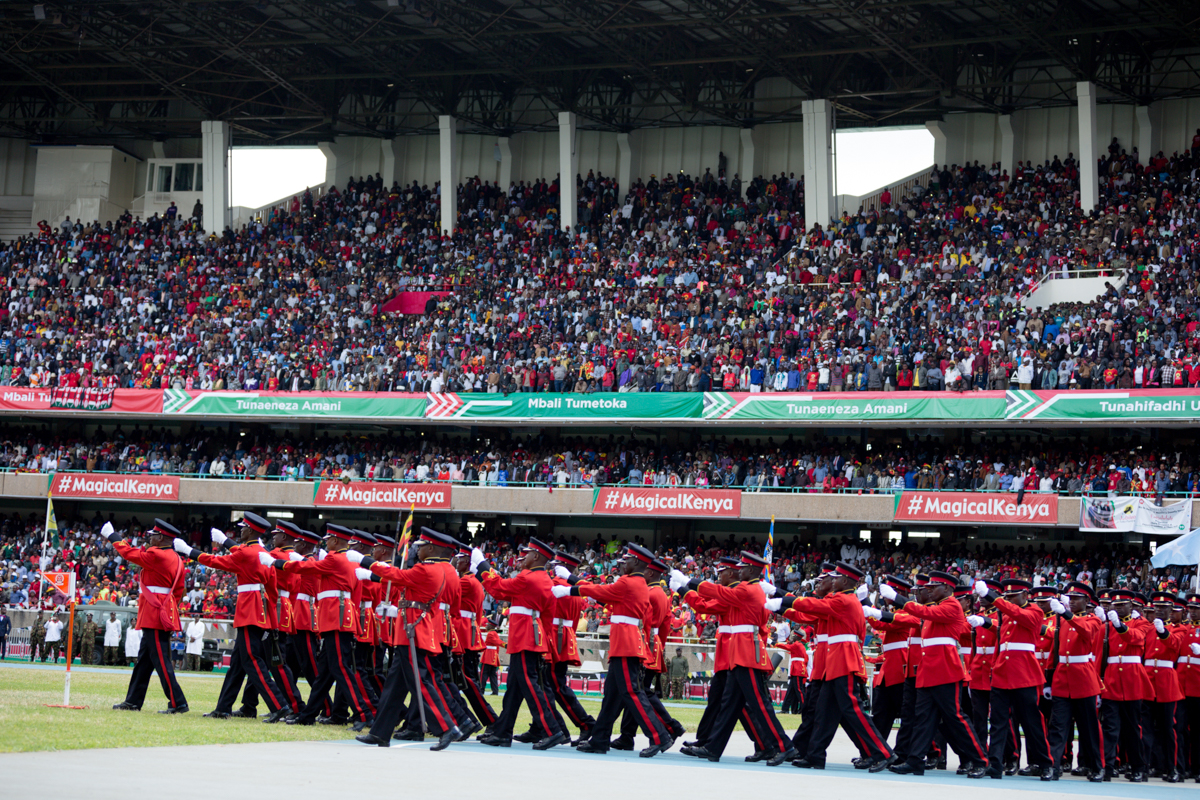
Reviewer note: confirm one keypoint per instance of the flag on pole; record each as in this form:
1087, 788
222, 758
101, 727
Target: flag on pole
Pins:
769, 551
406, 534
51, 522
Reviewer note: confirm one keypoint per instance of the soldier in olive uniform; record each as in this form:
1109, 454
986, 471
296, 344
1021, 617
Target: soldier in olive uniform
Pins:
87, 640
37, 638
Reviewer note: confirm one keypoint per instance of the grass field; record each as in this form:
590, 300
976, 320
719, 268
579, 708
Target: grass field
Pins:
27, 724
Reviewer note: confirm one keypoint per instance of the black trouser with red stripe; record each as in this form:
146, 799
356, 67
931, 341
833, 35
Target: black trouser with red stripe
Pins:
249, 661
1065, 713
303, 656
650, 686
452, 691
455, 711
525, 686
283, 677
886, 705
793, 698
1160, 739
566, 698
940, 707
624, 690
981, 705
364, 665
716, 693
745, 689
1019, 706
466, 674
545, 675
1121, 721
154, 655
841, 702
1190, 711
400, 681
336, 668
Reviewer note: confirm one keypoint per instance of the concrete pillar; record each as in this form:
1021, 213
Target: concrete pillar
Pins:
746, 165
1089, 178
387, 162
1149, 131
331, 162
214, 152
937, 129
568, 166
506, 164
1008, 144
818, 162
448, 171
624, 165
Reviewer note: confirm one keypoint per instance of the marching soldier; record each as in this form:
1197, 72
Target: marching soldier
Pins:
384, 550
490, 666
628, 601
449, 608
939, 675
532, 602
470, 641
1163, 649
254, 618
793, 699
283, 546
304, 648
889, 694
1017, 678
336, 621
424, 585
364, 596
986, 641
564, 649
1189, 683
161, 584
1075, 686
1124, 684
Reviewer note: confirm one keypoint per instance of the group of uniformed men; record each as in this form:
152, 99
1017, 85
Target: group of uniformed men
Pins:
971, 668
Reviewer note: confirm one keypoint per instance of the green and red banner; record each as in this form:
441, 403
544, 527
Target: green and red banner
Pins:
285, 405
852, 406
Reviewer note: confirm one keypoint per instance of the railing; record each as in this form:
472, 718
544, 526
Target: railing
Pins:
748, 488
243, 216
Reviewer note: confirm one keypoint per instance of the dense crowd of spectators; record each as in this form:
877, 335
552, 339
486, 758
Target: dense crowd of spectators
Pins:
997, 463
678, 284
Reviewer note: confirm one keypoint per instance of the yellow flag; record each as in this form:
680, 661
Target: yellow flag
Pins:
51, 523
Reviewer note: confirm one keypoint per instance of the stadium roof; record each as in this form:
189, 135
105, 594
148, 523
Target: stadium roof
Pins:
298, 71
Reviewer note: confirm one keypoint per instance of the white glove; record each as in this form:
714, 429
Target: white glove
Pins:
768, 589
1057, 607
981, 588
774, 605
217, 536
1100, 615
975, 620
1195, 648
1065, 599
363, 574
676, 580
861, 592
1046, 692
562, 572
294, 556
1113, 618
354, 556
1158, 626
1136, 615
888, 592
266, 559
381, 610
107, 530
182, 547
872, 612
321, 554
477, 558
561, 591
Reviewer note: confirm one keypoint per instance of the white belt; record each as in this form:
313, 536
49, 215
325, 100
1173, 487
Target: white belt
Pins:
1159, 663
491, 647
284, 593
335, 593
618, 619
466, 614
915, 640
529, 612
307, 598
1195, 662
158, 590
1026, 647
1124, 659
794, 660
984, 651
654, 631
964, 651
844, 637
1077, 659
737, 629
249, 587
1041, 655
444, 606
938, 641
563, 623
822, 637
365, 604
895, 646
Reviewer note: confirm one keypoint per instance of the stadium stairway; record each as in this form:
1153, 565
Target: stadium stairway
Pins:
14, 223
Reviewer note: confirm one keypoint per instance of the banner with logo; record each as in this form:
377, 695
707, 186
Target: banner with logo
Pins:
1130, 405
63, 582
1138, 514
853, 406
129, 401
367, 494
628, 406
115, 487
986, 507
663, 502
285, 405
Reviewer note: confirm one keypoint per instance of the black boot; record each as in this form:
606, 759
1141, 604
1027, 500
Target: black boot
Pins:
370, 738
446, 739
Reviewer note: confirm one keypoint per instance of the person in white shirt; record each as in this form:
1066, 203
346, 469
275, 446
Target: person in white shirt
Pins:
195, 644
112, 638
54, 639
133, 644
